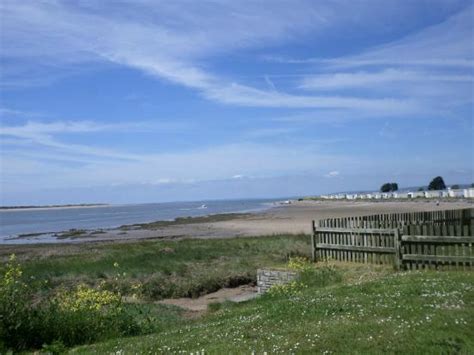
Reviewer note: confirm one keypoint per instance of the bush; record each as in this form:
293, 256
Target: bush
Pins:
15, 307
67, 318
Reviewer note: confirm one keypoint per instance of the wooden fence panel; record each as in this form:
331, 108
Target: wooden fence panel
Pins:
416, 240
439, 251
362, 245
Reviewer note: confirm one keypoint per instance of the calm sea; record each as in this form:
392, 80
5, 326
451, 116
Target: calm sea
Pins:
16, 222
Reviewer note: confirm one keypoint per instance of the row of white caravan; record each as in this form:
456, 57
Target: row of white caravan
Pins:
460, 193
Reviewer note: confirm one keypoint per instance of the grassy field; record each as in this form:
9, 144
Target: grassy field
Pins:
162, 269
413, 312
336, 308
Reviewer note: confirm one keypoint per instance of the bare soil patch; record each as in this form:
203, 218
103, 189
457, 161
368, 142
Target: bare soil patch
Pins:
200, 304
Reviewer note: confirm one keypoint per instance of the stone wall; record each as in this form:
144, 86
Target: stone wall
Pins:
266, 278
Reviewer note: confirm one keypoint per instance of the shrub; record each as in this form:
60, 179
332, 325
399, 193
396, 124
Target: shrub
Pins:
67, 318
15, 307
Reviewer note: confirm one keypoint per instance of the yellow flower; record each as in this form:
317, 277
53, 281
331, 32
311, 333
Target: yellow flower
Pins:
299, 264
86, 298
13, 271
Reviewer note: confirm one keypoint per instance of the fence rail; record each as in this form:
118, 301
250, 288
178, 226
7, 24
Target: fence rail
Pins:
434, 251
352, 244
398, 220
436, 239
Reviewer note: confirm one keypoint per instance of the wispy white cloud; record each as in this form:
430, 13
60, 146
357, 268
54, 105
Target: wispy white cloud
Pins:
270, 132
425, 74
447, 44
38, 149
336, 81
432, 67
60, 33
200, 164
44, 134
332, 174
35, 128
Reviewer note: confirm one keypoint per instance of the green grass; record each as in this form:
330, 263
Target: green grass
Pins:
347, 308
182, 268
414, 312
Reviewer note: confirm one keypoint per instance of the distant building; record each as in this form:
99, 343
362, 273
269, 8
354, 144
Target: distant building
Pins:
468, 193
458, 193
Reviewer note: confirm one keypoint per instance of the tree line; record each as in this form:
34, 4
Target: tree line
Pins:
436, 183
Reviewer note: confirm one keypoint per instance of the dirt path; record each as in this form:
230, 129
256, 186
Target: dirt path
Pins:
237, 294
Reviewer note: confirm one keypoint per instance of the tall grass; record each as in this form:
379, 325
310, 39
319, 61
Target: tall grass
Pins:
66, 318
164, 269
79, 297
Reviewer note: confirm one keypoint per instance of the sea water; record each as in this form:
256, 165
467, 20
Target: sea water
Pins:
27, 221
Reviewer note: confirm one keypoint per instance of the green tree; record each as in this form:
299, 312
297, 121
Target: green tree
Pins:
421, 189
455, 187
437, 184
389, 186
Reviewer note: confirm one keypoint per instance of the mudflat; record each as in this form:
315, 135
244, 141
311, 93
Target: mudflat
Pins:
294, 218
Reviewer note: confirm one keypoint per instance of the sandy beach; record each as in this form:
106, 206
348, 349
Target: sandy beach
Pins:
294, 218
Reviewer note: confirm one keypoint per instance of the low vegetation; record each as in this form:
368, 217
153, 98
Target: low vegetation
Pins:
187, 220
103, 296
162, 269
411, 312
66, 317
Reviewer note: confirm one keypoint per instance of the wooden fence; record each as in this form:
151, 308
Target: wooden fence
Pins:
435, 239
397, 220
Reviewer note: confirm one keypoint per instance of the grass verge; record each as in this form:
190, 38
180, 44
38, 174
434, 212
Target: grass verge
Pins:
414, 312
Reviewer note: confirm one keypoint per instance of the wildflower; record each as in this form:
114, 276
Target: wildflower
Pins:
299, 264
85, 298
13, 272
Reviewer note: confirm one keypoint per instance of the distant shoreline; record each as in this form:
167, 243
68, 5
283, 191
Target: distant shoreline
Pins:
293, 218
50, 207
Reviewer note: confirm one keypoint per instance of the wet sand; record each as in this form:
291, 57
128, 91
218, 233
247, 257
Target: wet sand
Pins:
285, 219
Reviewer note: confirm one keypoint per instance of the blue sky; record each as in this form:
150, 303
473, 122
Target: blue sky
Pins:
144, 101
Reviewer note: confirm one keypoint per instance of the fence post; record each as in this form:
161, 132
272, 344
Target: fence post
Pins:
313, 242
398, 254
470, 218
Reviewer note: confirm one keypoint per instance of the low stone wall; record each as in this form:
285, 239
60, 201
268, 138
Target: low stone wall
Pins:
266, 278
